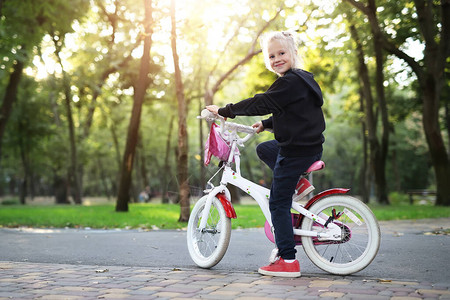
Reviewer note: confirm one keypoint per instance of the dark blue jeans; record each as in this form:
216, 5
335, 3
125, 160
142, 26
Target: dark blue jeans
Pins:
286, 172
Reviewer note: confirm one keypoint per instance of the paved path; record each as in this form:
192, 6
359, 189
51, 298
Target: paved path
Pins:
34, 280
55, 281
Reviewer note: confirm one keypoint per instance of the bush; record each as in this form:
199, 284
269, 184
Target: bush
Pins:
10, 201
397, 198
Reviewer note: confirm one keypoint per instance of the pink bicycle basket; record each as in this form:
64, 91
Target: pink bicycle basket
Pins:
216, 145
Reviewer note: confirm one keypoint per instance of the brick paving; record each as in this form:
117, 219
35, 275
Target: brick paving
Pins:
22, 280
25, 280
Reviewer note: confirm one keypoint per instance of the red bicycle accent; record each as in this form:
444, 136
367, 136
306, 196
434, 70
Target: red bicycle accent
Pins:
227, 205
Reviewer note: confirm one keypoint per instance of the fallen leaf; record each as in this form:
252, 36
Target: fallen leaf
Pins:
101, 271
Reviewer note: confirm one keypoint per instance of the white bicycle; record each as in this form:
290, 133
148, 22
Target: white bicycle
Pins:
339, 233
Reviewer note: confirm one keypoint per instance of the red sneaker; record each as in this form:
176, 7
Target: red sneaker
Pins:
302, 189
282, 269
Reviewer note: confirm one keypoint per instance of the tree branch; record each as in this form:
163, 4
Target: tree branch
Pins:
386, 43
232, 69
252, 52
360, 6
445, 33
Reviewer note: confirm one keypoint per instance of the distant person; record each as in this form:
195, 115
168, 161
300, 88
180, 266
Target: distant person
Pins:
145, 195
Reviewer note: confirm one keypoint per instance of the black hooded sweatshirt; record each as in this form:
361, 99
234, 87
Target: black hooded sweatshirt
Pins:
295, 102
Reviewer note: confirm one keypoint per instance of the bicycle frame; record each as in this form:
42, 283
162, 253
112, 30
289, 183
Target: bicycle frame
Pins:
338, 232
259, 193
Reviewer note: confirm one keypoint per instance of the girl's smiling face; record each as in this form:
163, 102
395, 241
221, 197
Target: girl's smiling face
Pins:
279, 57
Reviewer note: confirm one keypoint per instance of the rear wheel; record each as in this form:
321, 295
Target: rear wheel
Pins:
360, 235
208, 246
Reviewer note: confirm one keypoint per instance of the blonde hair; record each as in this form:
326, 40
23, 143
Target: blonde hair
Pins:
287, 39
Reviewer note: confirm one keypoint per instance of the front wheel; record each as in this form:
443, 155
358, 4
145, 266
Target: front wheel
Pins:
208, 246
360, 235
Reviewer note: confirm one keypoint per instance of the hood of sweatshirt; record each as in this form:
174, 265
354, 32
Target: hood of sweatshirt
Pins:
308, 78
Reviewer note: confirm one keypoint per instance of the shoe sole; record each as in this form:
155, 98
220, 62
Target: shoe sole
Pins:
279, 274
303, 194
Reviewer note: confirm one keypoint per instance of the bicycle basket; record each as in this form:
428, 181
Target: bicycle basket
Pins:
216, 145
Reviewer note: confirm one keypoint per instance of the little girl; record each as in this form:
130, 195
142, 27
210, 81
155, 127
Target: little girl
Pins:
294, 101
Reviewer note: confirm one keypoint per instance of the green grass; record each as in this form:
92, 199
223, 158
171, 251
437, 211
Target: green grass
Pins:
410, 212
146, 216
165, 216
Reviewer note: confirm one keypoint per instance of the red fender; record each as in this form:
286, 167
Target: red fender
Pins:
227, 205
317, 197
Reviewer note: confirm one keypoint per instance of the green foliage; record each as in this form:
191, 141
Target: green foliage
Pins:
398, 198
25, 22
100, 49
10, 201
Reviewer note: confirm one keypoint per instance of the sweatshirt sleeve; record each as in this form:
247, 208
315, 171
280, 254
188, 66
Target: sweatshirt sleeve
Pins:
272, 101
267, 123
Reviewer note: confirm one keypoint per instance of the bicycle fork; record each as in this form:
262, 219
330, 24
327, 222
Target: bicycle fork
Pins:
213, 193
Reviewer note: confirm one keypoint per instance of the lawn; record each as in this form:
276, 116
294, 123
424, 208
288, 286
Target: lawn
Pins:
165, 216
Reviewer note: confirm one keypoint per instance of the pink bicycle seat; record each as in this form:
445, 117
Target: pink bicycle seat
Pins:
316, 166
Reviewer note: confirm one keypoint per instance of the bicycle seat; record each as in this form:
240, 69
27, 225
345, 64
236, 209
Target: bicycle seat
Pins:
316, 166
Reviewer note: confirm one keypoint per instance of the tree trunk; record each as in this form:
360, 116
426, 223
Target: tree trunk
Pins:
60, 187
26, 166
383, 151
9, 98
73, 148
202, 151
74, 175
375, 151
182, 158
143, 164
365, 170
166, 173
123, 196
439, 157
103, 178
431, 83
235, 195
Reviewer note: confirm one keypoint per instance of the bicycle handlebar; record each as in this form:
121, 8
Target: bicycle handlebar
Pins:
240, 127
209, 116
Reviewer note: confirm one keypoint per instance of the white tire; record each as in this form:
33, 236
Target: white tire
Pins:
208, 247
360, 236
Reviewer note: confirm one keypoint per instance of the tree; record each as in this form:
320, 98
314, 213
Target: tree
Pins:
182, 156
9, 98
433, 23
378, 151
74, 177
23, 25
143, 82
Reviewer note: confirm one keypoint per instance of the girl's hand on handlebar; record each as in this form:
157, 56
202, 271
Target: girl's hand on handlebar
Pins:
214, 109
259, 127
